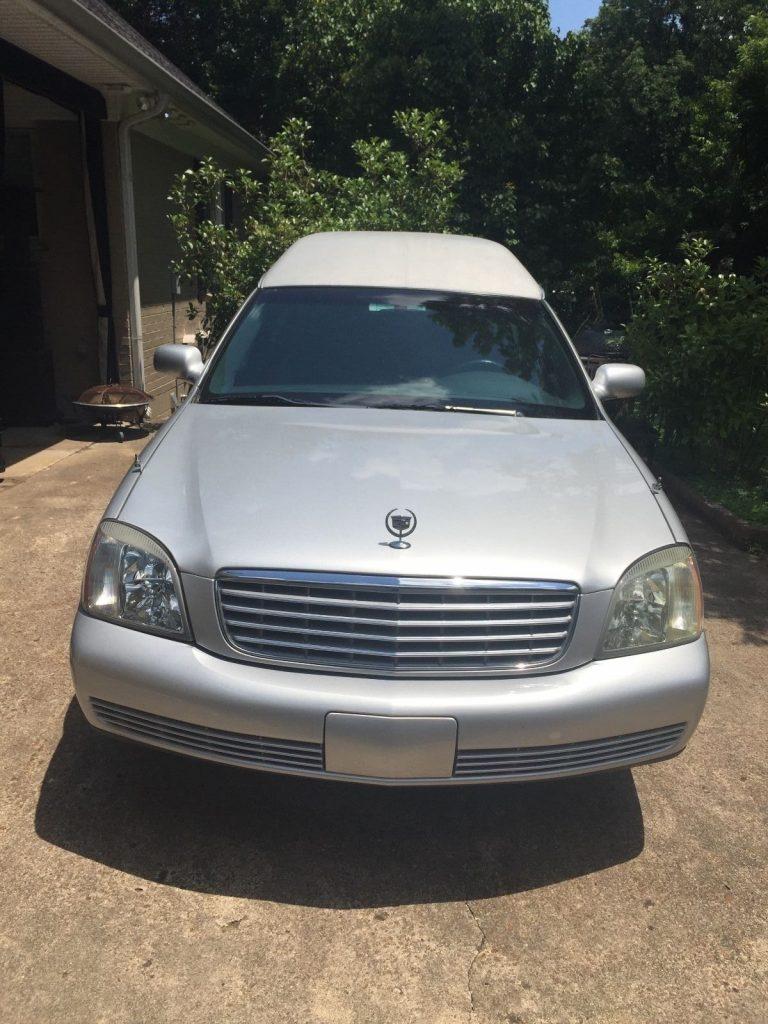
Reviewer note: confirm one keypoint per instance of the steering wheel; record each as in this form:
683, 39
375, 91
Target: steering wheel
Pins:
483, 364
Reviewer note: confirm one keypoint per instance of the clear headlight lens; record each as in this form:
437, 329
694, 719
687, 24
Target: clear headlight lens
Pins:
131, 579
657, 603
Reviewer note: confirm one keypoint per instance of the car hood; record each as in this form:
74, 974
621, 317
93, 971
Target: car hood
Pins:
304, 488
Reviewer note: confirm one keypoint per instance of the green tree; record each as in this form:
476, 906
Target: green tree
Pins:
653, 127
411, 188
587, 154
748, 95
702, 337
491, 66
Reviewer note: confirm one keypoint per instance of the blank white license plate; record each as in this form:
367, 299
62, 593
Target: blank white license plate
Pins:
390, 747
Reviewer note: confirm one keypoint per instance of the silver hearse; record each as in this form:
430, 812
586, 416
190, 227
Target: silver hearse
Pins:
392, 536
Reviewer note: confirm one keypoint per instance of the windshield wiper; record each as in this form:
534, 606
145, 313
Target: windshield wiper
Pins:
433, 407
257, 398
261, 399
488, 412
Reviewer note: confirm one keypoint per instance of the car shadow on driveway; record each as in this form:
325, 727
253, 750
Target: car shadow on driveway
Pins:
241, 833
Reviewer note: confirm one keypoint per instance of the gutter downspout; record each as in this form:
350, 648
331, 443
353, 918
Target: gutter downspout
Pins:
158, 107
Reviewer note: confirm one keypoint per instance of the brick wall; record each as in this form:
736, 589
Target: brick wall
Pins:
157, 322
163, 309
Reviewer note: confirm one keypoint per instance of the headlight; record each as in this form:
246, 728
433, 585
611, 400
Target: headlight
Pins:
131, 579
657, 603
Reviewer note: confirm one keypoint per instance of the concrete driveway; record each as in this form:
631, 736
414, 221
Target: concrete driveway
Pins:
140, 888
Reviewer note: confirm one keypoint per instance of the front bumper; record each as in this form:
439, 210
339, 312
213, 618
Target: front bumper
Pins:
605, 714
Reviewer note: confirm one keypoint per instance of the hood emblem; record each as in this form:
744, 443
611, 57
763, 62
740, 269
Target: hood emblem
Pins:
400, 522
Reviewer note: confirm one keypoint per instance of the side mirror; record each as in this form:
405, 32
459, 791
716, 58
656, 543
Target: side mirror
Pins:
182, 361
618, 380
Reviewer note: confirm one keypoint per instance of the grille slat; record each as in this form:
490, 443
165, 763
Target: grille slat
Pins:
219, 743
563, 760
536, 767
396, 626
215, 747
591, 746
436, 638
198, 730
521, 761
331, 649
403, 623
215, 744
404, 605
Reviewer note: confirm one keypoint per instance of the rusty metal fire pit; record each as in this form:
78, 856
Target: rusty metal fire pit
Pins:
113, 403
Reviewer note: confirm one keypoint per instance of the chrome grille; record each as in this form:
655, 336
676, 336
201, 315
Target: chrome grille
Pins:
383, 625
234, 747
519, 762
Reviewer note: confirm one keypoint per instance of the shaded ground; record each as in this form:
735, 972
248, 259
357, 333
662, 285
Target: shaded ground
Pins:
26, 451
140, 887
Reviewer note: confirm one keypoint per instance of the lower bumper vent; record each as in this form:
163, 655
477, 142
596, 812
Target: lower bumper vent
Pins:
297, 756
235, 747
519, 762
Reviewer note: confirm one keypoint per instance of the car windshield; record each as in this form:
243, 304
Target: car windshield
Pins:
404, 349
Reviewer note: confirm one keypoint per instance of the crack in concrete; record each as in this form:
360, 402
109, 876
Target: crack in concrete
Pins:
478, 952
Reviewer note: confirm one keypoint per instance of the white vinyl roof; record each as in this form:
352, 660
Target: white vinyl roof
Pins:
403, 259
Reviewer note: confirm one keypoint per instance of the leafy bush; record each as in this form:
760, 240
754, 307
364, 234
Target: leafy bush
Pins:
414, 189
702, 337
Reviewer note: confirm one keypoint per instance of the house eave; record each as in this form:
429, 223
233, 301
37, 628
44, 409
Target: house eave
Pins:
241, 144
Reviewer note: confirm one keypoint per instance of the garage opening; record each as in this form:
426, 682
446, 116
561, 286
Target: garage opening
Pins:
54, 274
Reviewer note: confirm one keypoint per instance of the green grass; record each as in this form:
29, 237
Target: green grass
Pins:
747, 500
709, 474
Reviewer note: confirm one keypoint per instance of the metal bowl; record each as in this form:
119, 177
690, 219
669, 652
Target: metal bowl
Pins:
113, 403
